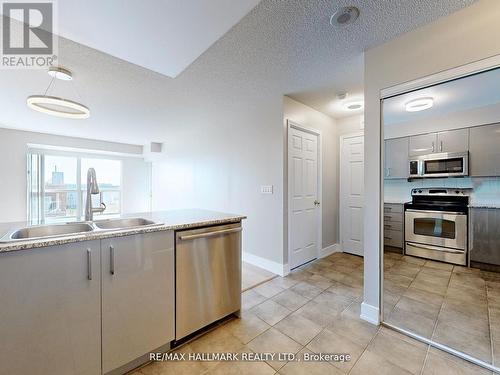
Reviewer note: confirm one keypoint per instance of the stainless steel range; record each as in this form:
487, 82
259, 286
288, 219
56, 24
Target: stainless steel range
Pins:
436, 224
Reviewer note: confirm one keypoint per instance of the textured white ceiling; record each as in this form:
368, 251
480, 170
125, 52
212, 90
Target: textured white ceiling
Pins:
462, 94
280, 47
164, 36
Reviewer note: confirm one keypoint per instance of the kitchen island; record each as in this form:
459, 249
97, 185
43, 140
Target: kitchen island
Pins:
100, 301
163, 221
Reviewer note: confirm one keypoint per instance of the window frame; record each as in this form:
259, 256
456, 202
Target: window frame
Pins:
80, 204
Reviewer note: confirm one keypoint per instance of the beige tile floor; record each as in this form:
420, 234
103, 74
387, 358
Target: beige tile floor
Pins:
315, 309
252, 276
455, 306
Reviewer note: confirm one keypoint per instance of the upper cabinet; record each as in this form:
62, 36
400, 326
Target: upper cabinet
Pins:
447, 141
422, 144
453, 141
396, 158
484, 151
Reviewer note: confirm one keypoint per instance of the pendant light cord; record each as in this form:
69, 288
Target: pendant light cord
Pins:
48, 87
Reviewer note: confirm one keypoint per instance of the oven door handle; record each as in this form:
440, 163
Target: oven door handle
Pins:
435, 212
437, 248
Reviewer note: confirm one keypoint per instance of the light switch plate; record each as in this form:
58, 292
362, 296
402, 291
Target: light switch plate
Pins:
266, 189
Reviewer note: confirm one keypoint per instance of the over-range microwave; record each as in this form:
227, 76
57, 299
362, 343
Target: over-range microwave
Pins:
444, 164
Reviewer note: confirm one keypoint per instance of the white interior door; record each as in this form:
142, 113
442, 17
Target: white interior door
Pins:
304, 209
352, 194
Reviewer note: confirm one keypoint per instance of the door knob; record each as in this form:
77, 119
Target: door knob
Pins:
316, 203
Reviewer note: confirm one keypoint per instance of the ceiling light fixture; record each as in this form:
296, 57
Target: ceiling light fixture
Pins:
344, 16
419, 104
353, 105
54, 105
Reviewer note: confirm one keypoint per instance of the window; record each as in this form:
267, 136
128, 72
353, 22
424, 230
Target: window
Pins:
57, 186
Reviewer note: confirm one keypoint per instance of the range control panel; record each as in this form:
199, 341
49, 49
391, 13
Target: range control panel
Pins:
441, 191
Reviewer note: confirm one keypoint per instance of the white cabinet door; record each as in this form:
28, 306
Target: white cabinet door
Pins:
423, 144
50, 320
484, 151
453, 141
137, 296
396, 158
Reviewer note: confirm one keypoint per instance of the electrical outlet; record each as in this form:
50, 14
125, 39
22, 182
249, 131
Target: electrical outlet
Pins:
266, 189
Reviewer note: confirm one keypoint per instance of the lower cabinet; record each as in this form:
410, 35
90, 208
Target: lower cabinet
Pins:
86, 308
485, 236
137, 296
50, 313
393, 225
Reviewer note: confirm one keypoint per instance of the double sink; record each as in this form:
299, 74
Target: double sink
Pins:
68, 229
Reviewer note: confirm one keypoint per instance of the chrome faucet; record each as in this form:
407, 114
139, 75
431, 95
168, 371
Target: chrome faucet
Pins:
92, 189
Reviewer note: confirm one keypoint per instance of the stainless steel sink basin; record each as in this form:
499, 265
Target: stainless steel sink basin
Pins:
44, 231
123, 223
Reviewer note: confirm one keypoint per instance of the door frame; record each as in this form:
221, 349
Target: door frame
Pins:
319, 235
462, 71
341, 202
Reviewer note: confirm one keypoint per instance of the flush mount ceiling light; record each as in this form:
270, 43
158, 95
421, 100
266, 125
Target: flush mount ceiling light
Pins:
57, 106
419, 104
344, 16
353, 105
60, 73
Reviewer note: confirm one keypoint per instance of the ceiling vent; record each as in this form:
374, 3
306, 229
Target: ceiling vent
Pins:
344, 16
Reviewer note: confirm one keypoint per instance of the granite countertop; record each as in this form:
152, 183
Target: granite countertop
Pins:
395, 201
484, 205
168, 220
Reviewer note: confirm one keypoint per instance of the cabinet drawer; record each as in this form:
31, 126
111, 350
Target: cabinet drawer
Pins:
393, 238
393, 217
393, 208
394, 226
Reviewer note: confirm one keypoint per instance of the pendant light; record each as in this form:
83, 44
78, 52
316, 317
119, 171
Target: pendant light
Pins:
57, 106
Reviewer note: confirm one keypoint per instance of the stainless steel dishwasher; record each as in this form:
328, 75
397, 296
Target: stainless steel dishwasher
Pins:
208, 276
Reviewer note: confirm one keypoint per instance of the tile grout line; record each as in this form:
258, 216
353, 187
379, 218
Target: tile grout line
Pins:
323, 328
442, 304
425, 359
401, 295
366, 348
293, 311
436, 323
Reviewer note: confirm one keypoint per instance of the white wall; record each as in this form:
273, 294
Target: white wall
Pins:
218, 158
309, 117
13, 151
461, 38
350, 124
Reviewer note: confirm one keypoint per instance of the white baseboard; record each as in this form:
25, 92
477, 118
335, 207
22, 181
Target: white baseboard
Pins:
335, 248
269, 265
370, 313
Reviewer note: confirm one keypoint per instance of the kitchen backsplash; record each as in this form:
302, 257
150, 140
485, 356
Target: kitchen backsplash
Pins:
485, 190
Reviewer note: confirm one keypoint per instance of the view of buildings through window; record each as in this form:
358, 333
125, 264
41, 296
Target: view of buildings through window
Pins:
58, 186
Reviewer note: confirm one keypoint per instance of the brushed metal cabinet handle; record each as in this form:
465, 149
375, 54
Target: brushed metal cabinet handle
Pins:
208, 234
441, 146
112, 260
89, 264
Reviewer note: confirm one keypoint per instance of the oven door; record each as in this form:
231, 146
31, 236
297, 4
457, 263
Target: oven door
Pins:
445, 229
